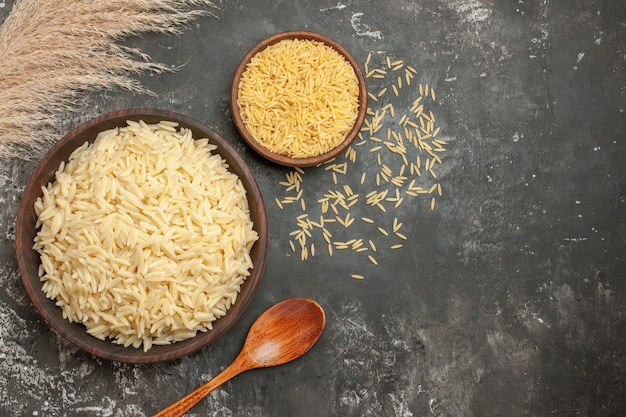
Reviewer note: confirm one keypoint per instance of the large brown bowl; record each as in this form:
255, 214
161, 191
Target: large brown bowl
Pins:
29, 260
283, 159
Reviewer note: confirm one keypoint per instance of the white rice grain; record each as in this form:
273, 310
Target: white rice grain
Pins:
145, 235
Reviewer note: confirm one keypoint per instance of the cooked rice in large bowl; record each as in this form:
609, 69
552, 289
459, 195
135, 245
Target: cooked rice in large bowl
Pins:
144, 234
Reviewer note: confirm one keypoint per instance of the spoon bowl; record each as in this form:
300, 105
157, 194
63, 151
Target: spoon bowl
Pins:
284, 332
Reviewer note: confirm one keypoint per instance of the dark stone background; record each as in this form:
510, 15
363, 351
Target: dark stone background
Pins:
507, 299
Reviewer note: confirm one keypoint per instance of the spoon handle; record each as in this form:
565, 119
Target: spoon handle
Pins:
179, 407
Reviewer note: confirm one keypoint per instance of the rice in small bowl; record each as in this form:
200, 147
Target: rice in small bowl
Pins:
141, 236
298, 98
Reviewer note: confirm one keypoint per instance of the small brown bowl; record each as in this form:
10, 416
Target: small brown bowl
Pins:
283, 159
28, 259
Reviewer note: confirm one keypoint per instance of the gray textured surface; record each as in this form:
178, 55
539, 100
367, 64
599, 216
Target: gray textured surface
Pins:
508, 299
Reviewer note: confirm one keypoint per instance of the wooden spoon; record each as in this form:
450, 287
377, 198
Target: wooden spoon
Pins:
281, 334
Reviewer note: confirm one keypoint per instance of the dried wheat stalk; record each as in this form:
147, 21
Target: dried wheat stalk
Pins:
52, 51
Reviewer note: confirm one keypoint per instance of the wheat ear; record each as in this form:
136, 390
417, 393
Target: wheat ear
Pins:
53, 51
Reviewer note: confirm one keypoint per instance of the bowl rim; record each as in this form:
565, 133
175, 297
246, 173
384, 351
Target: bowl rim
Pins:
283, 159
28, 258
